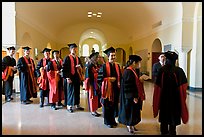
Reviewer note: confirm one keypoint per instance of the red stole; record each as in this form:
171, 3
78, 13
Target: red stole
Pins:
72, 63
42, 80
31, 70
106, 88
140, 87
182, 92
6, 73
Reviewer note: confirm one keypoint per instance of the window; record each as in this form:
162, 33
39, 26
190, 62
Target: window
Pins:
96, 47
85, 50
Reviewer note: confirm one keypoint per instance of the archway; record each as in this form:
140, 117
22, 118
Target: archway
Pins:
156, 51
120, 56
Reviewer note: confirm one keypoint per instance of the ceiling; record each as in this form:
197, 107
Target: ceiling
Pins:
132, 18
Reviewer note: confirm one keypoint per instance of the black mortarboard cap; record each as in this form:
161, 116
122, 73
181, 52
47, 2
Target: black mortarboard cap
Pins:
46, 50
26, 48
93, 54
11, 48
135, 58
109, 50
171, 55
72, 45
55, 51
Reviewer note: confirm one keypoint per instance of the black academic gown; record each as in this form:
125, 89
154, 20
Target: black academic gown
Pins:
110, 109
25, 80
8, 85
71, 90
155, 70
169, 84
129, 112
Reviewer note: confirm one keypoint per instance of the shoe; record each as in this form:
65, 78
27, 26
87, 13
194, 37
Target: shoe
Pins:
11, 98
25, 102
130, 129
60, 105
70, 110
53, 107
80, 108
8, 99
110, 126
30, 101
134, 129
95, 114
41, 105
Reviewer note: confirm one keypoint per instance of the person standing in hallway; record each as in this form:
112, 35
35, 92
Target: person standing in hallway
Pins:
42, 69
27, 77
109, 78
132, 94
70, 67
55, 80
91, 85
158, 65
170, 95
8, 70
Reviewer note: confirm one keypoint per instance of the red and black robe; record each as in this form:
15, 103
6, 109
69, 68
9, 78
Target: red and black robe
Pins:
55, 81
169, 98
91, 86
27, 77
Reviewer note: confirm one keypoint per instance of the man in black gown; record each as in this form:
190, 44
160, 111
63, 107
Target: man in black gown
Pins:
8, 70
109, 78
170, 95
27, 77
72, 80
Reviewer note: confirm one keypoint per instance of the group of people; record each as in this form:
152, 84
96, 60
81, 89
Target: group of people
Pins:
119, 94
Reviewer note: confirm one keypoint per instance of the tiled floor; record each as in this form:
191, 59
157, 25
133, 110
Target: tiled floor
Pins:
19, 119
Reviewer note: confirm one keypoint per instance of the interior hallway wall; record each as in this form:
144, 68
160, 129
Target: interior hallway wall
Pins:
38, 40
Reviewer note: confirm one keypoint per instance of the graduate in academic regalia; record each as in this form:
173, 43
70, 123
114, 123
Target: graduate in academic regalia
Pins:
169, 98
91, 85
131, 95
42, 69
72, 79
56, 94
158, 65
27, 77
109, 78
8, 70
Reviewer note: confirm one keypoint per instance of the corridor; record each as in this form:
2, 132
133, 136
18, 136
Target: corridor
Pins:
19, 119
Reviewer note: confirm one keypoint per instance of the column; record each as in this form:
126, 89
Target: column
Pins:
8, 24
182, 57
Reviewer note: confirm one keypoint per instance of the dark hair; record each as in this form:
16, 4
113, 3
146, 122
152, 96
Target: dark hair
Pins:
129, 62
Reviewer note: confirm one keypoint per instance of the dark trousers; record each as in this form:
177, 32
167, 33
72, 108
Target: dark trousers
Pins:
8, 87
43, 93
109, 113
167, 129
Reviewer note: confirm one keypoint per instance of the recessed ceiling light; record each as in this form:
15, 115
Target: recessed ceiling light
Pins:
94, 14
89, 16
91, 32
98, 16
89, 12
99, 13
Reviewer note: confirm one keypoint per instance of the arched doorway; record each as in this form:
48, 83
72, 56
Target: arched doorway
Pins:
64, 52
156, 51
120, 56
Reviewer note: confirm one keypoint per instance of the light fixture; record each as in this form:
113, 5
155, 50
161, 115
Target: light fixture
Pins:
92, 32
98, 14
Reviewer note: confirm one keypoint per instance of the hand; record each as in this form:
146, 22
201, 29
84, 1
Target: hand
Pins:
135, 100
69, 80
14, 68
78, 66
29, 65
112, 79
